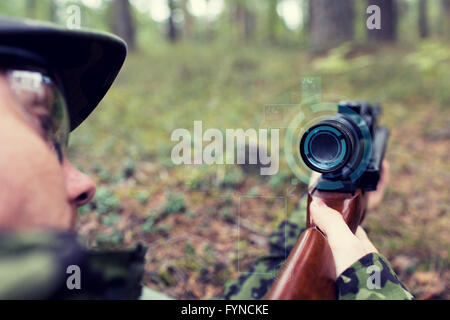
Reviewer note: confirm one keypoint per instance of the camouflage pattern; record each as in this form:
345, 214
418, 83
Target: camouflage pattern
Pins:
352, 284
33, 266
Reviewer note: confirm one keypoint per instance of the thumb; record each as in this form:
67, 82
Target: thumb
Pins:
330, 222
345, 246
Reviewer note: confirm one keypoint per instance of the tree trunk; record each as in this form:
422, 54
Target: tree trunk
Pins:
423, 21
446, 7
331, 23
188, 21
244, 20
172, 32
272, 20
30, 7
123, 24
52, 11
308, 15
388, 31
446, 17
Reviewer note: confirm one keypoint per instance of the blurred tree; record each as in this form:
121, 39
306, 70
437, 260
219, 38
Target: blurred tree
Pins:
244, 19
446, 6
388, 31
30, 7
122, 22
423, 21
330, 23
188, 20
446, 14
172, 32
307, 3
272, 20
52, 11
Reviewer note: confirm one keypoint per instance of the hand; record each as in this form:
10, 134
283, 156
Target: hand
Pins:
347, 248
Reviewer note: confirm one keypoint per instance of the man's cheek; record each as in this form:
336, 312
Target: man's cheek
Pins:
30, 176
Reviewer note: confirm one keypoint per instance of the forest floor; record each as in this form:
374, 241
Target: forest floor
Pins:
187, 216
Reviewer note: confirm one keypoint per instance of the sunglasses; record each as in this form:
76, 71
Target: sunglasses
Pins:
43, 104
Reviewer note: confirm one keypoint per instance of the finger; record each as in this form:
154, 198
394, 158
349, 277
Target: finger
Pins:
346, 248
362, 236
329, 221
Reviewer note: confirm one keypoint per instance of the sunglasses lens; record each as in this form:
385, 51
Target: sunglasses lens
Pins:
43, 104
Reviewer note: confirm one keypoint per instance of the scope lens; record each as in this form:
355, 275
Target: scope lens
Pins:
324, 148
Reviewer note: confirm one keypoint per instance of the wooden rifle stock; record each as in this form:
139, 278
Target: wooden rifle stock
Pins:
309, 272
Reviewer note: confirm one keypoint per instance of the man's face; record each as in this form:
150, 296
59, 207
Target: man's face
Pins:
37, 189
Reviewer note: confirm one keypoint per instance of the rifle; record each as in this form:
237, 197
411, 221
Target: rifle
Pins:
348, 150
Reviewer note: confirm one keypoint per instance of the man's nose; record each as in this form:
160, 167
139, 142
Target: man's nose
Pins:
80, 187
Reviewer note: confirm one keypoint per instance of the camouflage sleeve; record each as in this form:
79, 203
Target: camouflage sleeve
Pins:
255, 283
371, 278
32, 266
56, 266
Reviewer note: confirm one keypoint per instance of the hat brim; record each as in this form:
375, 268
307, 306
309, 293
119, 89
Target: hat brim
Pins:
85, 62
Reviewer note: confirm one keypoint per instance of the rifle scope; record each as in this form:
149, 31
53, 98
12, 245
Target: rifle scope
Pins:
335, 145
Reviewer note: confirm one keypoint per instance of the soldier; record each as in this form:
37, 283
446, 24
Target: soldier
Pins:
50, 81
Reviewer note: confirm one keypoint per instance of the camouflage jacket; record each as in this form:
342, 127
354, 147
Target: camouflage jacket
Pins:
56, 266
